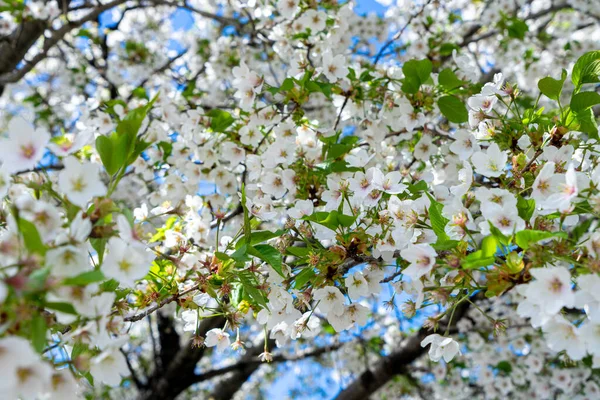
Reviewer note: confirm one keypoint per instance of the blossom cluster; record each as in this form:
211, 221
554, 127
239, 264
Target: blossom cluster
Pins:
283, 176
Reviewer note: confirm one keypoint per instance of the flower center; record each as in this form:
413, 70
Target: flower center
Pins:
28, 151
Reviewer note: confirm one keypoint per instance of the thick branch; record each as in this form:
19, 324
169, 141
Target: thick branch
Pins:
394, 364
315, 352
49, 42
168, 382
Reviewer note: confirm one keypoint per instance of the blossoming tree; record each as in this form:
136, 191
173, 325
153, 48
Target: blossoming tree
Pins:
200, 197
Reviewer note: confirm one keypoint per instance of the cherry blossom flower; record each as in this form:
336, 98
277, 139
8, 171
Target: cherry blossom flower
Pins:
7, 23
566, 192
388, 183
465, 144
314, 20
333, 195
288, 8
334, 67
441, 347
551, 290
467, 65
357, 286
331, 300
68, 260
24, 147
109, 367
358, 158
80, 182
301, 209
425, 148
44, 215
217, 337
491, 163
124, 262
505, 218
588, 297
546, 183
563, 335
421, 258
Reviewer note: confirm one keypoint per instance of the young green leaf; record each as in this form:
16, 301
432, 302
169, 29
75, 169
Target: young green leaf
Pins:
454, 109
527, 238
86, 278
38, 333
586, 69
31, 237
268, 254
584, 100
448, 79
552, 88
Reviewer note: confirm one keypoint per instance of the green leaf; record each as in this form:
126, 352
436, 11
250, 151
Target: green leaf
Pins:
247, 227
484, 256
287, 84
500, 237
527, 238
410, 85
587, 122
442, 245
79, 348
138, 148
584, 100
416, 72
31, 237
298, 251
86, 278
220, 120
38, 333
62, 307
260, 236
241, 255
504, 366
551, 87
131, 124
114, 150
342, 166
223, 256
581, 229
420, 69
110, 285
517, 29
249, 283
438, 221
99, 244
525, 207
331, 220
303, 277
586, 69
447, 48
105, 150
448, 79
453, 109
37, 279
489, 246
337, 150
418, 188
319, 87
268, 254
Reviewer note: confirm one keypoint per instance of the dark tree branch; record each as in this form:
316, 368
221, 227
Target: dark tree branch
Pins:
178, 375
394, 364
315, 352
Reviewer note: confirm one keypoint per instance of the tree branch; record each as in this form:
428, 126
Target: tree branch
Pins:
394, 364
314, 352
